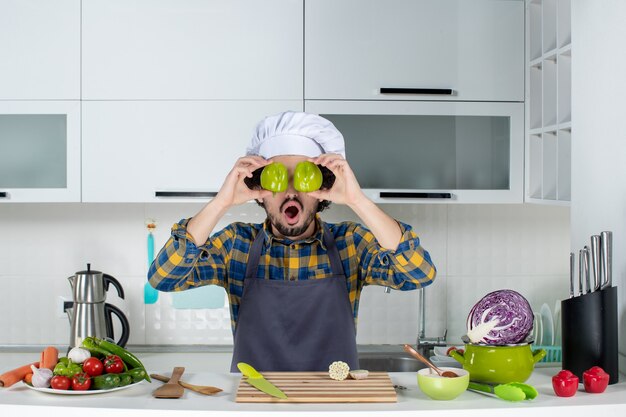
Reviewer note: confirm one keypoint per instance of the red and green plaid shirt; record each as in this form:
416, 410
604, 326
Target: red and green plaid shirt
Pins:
181, 264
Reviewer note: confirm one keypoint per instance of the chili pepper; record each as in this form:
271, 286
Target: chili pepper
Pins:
91, 344
274, 177
137, 374
565, 383
307, 177
125, 379
106, 381
595, 380
126, 356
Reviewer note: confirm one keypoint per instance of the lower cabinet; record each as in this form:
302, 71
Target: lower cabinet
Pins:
154, 151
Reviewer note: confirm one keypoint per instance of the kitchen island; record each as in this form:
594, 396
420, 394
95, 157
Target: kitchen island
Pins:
212, 369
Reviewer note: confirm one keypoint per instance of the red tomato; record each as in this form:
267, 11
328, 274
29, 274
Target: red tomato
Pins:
81, 382
93, 367
60, 382
565, 383
113, 364
595, 380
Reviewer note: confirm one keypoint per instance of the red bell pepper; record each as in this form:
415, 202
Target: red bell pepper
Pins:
595, 380
565, 383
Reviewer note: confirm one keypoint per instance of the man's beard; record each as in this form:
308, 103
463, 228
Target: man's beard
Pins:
290, 231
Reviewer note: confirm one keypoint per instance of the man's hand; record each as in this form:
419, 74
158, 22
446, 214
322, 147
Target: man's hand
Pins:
346, 189
234, 191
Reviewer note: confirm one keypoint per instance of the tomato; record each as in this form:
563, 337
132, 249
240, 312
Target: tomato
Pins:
60, 382
113, 364
93, 366
81, 382
565, 383
595, 380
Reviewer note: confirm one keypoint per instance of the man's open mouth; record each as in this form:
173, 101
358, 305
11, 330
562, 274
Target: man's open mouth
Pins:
291, 212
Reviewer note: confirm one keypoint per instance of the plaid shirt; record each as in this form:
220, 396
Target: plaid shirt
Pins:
222, 260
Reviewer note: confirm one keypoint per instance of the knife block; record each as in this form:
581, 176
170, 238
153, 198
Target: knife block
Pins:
589, 333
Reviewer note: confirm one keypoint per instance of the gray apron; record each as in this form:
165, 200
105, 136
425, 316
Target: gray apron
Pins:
295, 325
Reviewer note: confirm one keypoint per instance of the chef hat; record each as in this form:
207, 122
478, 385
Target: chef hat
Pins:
295, 133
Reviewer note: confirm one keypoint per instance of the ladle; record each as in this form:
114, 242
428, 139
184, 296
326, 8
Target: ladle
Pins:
446, 374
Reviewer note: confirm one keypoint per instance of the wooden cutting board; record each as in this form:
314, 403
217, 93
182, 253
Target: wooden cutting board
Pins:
317, 387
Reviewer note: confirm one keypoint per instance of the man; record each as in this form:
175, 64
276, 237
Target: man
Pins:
294, 281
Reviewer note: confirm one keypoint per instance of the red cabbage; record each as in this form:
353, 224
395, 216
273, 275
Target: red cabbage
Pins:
502, 317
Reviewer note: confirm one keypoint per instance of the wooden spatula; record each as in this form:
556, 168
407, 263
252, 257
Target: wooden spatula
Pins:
171, 389
202, 389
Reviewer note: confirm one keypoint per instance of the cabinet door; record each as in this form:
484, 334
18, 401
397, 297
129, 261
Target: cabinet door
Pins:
39, 151
192, 49
133, 150
39, 49
432, 152
356, 47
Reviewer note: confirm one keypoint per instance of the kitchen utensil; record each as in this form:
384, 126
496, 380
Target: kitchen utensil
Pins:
171, 389
595, 261
447, 373
512, 391
547, 323
318, 387
581, 270
606, 241
590, 332
442, 388
571, 274
499, 364
150, 295
587, 268
202, 389
256, 380
89, 314
537, 328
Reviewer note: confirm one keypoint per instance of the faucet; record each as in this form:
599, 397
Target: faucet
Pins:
424, 344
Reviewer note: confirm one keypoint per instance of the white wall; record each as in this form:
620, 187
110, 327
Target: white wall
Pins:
477, 249
598, 139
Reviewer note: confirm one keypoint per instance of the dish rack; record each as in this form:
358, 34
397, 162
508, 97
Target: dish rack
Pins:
553, 353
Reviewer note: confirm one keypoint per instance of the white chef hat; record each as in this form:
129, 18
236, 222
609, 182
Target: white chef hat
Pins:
295, 133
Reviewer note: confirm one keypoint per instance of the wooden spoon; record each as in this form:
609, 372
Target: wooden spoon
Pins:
447, 374
171, 389
202, 389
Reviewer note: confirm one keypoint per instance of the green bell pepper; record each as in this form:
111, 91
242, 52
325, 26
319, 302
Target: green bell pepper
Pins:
307, 177
66, 367
274, 177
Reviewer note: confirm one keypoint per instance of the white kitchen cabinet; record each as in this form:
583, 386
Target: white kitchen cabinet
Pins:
432, 152
39, 49
155, 151
353, 48
548, 102
39, 151
192, 49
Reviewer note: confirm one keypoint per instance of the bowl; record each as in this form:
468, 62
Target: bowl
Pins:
442, 388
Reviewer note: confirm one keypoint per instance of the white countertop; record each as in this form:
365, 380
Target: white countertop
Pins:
212, 369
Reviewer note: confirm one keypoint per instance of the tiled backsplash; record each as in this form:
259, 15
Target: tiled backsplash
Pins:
476, 248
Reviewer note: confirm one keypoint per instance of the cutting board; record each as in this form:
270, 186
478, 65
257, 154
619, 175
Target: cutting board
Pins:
318, 387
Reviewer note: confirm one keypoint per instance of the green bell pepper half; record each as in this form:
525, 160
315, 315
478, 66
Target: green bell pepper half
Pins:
307, 177
274, 177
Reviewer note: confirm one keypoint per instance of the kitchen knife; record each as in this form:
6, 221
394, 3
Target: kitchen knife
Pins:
586, 263
595, 261
257, 381
571, 275
606, 240
581, 270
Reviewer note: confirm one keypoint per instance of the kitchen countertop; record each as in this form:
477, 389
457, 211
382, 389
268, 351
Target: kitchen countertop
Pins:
213, 369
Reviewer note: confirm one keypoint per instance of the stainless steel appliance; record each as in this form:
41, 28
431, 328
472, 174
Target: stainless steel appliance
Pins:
89, 314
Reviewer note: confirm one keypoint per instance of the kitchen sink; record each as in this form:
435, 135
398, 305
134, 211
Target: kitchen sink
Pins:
390, 362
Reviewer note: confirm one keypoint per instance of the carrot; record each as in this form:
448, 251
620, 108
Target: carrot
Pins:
28, 378
49, 357
11, 377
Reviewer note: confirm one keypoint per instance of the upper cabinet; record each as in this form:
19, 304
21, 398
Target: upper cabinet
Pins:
414, 50
39, 49
209, 49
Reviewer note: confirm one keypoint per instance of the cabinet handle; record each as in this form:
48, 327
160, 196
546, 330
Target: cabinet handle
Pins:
3, 194
428, 91
394, 194
185, 194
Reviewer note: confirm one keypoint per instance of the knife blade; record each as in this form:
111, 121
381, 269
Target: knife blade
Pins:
587, 267
257, 380
571, 275
606, 240
581, 270
595, 261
